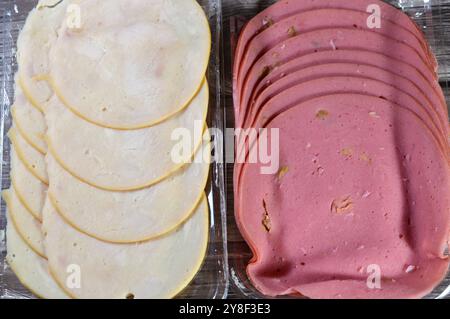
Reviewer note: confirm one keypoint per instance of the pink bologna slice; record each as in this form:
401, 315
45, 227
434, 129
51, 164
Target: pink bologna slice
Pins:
326, 40
286, 8
355, 195
431, 89
321, 19
332, 85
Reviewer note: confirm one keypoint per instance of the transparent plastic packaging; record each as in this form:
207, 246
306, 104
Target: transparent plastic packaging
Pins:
223, 272
432, 16
212, 280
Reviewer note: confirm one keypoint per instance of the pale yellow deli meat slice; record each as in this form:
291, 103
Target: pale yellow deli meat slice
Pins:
130, 63
159, 268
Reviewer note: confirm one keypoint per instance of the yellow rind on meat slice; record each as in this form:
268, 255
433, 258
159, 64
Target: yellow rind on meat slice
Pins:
119, 160
31, 269
27, 226
29, 121
33, 45
152, 80
159, 268
29, 189
30, 157
127, 217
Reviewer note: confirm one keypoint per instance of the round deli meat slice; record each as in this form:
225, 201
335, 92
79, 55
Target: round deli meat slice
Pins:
33, 46
331, 39
128, 217
354, 195
29, 189
105, 69
29, 121
321, 19
398, 83
159, 268
124, 160
31, 158
345, 84
431, 89
285, 9
27, 226
330, 85
29, 267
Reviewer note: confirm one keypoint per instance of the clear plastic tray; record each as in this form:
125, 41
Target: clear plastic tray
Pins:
212, 280
433, 16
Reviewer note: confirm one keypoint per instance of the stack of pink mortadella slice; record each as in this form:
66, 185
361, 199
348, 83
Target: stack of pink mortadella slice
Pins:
358, 205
